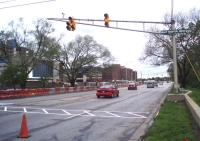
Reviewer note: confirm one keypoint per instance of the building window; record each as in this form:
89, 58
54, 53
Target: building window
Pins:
42, 69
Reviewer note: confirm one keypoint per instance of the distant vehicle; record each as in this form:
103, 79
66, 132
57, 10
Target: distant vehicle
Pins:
107, 91
150, 84
155, 84
160, 83
132, 86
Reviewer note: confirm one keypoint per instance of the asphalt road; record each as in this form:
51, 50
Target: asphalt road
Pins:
80, 116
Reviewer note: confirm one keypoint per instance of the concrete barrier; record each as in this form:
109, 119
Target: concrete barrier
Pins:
194, 108
43, 91
51, 90
62, 90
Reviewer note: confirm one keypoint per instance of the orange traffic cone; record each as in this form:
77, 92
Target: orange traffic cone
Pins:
24, 129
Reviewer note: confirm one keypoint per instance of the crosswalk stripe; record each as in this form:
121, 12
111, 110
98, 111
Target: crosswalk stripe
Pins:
45, 111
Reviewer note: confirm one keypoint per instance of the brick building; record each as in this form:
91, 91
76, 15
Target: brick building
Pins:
118, 72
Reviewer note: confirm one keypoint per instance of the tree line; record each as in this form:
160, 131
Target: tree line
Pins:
37, 43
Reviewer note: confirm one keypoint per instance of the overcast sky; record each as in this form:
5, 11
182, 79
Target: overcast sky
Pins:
126, 46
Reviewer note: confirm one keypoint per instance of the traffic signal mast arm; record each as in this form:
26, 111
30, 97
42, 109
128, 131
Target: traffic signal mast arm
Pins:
64, 20
93, 20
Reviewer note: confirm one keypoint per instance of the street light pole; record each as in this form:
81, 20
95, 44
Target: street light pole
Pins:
174, 58
174, 50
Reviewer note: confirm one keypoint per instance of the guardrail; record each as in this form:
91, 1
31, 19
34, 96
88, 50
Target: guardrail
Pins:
45, 91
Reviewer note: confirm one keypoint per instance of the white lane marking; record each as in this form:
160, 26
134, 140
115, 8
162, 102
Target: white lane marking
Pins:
5, 103
88, 112
80, 112
25, 110
75, 115
45, 111
112, 114
66, 112
137, 115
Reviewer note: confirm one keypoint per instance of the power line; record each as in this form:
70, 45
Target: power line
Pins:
26, 4
7, 1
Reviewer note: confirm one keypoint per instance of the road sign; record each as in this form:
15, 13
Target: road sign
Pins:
168, 32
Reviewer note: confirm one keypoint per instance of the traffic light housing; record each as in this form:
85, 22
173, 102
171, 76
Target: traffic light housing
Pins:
106, 19
71, 24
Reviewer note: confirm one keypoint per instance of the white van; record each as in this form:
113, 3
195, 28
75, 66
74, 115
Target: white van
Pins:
150, 84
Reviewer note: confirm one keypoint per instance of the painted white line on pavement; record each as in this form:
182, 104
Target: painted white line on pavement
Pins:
66, 112
89, 113
25, 110
137, 115
112, 114
45, 111
5, 103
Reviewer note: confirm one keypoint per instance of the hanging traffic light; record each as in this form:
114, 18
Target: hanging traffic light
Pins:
106, 19
71, 24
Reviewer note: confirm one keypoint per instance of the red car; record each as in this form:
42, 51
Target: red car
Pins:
132, 86
107, 90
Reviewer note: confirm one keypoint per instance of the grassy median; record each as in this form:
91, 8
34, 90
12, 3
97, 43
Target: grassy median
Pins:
175, 122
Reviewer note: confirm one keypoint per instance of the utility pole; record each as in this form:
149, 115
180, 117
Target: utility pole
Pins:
174, 58
174, 50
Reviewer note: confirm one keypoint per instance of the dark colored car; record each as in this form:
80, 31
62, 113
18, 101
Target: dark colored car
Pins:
132, 86
108, 91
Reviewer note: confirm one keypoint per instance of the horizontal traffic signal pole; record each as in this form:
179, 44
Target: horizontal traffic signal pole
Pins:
63, 20
113, 21
119, 28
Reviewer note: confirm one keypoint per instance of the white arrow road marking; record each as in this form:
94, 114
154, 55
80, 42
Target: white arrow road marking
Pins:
5, 109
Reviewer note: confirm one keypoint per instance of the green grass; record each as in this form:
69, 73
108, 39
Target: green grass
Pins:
195, 95
174, 122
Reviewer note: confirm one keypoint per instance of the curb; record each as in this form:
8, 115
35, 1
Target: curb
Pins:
141, 131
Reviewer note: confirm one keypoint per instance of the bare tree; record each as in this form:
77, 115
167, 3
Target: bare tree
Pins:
82, 54
158, 48
33, 43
